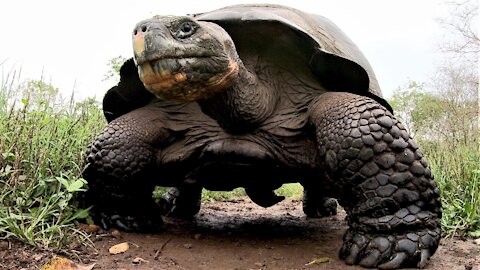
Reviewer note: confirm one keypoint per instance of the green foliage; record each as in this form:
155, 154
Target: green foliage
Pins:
42, 141
294, 191
418, 110
457, 173
114, 65
208, 195
445, 123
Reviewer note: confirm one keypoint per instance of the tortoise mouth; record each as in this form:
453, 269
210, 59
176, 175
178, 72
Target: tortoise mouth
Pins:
186, 78
157, 70
157, 57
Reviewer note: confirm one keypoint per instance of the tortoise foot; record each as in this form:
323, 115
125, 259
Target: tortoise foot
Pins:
317, 205
390, 251
181, 202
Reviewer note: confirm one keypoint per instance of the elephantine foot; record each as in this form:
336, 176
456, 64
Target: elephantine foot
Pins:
317, 206
409, 249
183, 202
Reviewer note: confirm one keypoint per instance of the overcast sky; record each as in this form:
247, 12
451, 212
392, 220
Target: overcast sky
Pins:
72, 41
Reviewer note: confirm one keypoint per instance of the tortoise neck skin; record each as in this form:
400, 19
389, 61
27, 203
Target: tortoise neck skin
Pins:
246, 104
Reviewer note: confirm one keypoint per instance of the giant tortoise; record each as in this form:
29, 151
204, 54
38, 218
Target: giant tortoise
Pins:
256, 96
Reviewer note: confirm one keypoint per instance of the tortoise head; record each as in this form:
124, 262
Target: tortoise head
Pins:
179, 58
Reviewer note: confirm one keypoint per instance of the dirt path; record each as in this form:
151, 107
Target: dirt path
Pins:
238, 235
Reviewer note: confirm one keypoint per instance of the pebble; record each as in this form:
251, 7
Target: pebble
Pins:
3, 245
259, 264
116, 233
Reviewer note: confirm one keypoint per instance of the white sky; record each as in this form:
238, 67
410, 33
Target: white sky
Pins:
72, 41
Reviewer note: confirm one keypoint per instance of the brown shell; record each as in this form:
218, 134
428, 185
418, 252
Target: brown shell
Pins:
332, 46
335, 59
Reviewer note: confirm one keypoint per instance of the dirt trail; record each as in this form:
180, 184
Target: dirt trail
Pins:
238, 235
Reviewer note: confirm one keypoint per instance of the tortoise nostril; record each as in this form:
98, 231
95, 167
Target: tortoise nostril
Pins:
139, 29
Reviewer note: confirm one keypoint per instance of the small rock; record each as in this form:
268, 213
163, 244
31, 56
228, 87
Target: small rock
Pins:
74, 245
89, 228
188, 246
477, 241
139, 260
3, 245
259, 264
116, 233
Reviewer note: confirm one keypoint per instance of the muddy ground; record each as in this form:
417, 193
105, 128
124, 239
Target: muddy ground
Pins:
233, 235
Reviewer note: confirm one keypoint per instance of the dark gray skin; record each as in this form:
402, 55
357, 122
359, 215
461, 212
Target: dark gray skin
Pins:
257, 109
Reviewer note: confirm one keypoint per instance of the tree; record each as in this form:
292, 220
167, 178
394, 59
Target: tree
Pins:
114, 65
458, 79
419, 110
462, 24
457, 84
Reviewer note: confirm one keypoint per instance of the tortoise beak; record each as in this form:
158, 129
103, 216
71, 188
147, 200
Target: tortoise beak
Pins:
150, 41
138, 44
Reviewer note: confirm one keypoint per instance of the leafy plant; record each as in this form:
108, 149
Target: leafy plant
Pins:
42, 140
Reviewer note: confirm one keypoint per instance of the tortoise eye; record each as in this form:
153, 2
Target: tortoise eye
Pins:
186, 29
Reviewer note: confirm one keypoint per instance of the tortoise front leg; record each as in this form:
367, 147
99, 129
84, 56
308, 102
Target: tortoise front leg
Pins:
122, 171
382, 180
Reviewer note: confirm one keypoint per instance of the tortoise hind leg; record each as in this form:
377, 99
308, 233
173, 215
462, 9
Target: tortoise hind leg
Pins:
381, 179
181, 202
316, 204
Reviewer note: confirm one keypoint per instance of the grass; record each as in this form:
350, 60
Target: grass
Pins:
42, 142
294, 191
457, 173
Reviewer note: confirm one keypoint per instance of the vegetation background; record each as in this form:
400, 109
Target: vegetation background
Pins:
43, 136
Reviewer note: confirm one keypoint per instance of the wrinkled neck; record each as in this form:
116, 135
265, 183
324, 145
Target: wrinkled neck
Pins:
245, 105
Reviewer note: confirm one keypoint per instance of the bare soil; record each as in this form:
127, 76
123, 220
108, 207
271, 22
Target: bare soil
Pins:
232, 235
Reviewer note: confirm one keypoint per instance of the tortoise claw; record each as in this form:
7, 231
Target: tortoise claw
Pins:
424, 258
389, 251
396, 262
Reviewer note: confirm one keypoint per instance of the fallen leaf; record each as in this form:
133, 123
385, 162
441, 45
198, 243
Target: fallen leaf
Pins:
139, 260
320, 260
120, 248
59, 263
